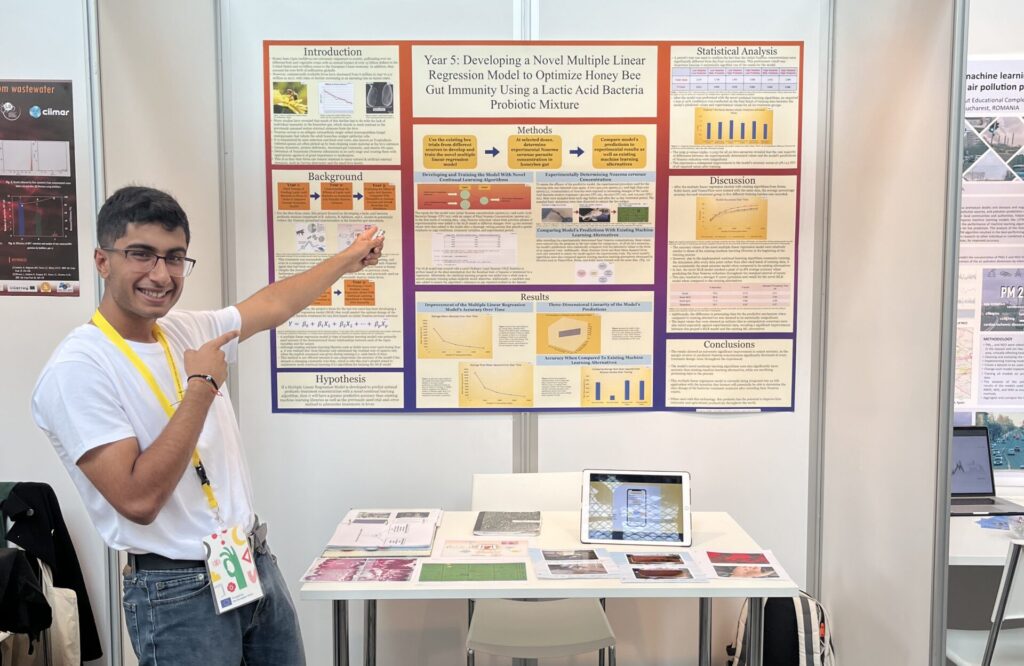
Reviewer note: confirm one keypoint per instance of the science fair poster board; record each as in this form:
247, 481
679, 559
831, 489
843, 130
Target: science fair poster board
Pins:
38, 202
570, 225
989, 375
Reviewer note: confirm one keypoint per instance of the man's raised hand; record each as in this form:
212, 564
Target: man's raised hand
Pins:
210, 359
365, 250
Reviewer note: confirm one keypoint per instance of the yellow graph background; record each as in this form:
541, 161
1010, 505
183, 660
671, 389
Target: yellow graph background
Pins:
613, 387
495, 384
723, 218
568, 334
743, 125
454, 336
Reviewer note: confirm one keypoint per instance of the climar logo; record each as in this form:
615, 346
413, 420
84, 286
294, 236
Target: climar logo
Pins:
9, 111
35, 112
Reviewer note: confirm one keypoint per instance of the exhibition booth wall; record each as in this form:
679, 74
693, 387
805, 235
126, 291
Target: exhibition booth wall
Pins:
725, 452
183, 109
33, 326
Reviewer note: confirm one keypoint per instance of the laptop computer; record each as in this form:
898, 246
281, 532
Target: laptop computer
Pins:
971, 482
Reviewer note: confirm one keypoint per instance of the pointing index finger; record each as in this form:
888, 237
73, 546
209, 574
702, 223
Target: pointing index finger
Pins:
368, 233
222, 339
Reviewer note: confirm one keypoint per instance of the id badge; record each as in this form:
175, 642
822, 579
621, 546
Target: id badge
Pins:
231, 565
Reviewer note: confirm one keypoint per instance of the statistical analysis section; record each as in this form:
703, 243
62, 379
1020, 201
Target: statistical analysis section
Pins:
534, 349
735, 106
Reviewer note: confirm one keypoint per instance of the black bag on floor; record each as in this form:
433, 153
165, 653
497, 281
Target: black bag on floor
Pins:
797, 632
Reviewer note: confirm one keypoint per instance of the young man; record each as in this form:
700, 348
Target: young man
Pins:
133, 404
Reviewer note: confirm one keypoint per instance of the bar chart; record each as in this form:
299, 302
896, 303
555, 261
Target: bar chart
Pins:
616, 387
36, 216
747, 126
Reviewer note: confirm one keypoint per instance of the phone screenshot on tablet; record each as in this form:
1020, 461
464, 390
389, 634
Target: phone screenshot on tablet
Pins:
636, 507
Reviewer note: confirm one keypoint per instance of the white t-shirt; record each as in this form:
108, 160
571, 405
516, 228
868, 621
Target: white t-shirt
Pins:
89, 394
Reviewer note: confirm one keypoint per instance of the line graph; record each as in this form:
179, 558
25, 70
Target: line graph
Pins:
35, 158
336, 99
453, 343
726, 218
972, 468
495, 385
485, 387
454, 336
733, 210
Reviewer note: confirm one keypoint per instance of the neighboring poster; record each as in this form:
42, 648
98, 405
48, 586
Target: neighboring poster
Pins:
563, 232
38, 214
988, 384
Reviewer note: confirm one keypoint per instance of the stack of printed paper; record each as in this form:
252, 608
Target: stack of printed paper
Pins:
582, 563
676, 566
361, 569
752, 565
387, 529
507, 523
484, 548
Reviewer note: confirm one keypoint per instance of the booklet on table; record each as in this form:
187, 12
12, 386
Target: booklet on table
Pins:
507, 523
367, 529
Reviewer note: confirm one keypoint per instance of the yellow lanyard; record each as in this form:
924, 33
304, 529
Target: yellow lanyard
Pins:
140, 365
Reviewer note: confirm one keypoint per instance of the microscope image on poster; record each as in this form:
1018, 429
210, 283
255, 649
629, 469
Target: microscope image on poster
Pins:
380, 97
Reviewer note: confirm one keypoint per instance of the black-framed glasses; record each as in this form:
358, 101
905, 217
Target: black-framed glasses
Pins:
143, 261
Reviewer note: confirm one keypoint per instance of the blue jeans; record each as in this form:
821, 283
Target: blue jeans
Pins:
171, 620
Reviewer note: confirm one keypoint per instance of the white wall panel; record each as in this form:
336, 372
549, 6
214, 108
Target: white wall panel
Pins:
892, 74
994, 28
159, 86
49, 40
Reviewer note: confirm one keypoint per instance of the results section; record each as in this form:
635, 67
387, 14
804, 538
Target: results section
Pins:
540, 349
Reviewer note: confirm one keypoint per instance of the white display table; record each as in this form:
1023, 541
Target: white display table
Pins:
972, 545
560, 530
